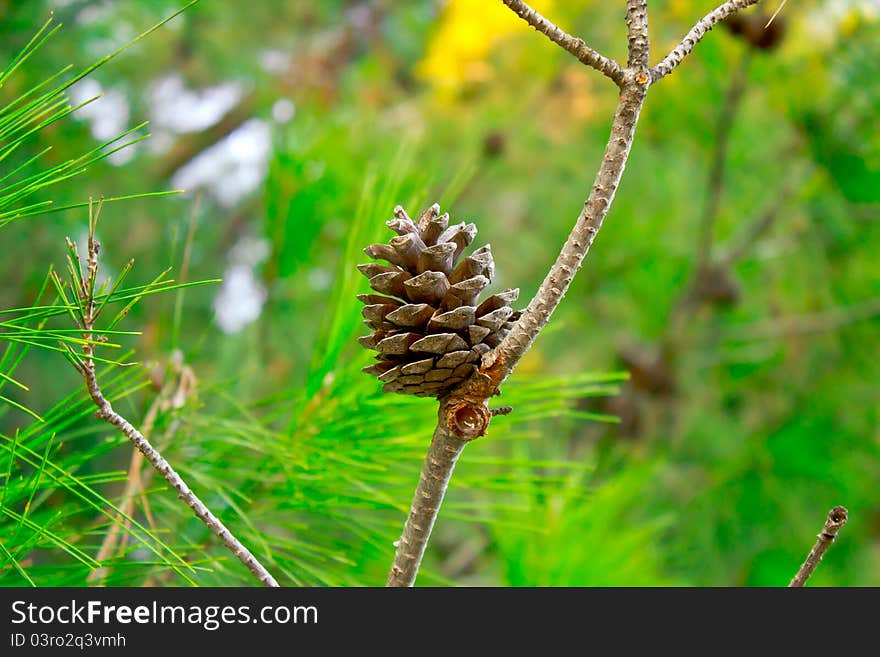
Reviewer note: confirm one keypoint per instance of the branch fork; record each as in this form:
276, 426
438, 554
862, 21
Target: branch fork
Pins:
464, 413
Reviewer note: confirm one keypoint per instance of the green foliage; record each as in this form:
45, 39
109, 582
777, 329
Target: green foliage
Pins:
338, 476
52, 504
590, 534
774, 419
36, 109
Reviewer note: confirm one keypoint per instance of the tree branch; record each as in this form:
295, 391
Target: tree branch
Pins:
188, 146
499, 363
837, 518
697, 32
464, 413
437, 469
637, 34
828, 320
573, 45
172, 395
756, 227
85, 287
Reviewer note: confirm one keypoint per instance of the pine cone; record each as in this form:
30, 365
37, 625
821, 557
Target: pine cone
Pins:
428, 326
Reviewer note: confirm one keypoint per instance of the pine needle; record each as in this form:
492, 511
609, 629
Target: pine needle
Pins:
775, 13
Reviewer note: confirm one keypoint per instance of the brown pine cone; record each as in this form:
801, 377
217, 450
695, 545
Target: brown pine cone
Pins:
429, 327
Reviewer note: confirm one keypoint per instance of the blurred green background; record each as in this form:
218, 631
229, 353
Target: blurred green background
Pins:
706, 392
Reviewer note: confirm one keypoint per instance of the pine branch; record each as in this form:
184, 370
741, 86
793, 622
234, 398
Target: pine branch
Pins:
464, 413
837, 518
189, 145
84, 284
500, 362
574, 45
759, 225
439, 463
707, 274
696, 34
172, 395
637, 33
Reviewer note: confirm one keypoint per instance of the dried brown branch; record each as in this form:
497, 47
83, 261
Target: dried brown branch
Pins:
696, 34
85, 289
172, 395
188, 146
573, 45
837, 518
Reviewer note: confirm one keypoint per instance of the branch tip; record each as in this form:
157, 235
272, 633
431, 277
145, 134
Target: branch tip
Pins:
696, 34
837, 518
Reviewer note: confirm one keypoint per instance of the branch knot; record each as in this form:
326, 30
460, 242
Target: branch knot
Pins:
466, 419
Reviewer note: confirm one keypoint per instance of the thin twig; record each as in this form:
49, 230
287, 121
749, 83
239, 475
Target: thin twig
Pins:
190, 144
837, 518
691, 298
573, 45
501, 410
172, 395
750, 235
105, 412
697, 32
133, 486
827, 320
775, 13
756, 227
